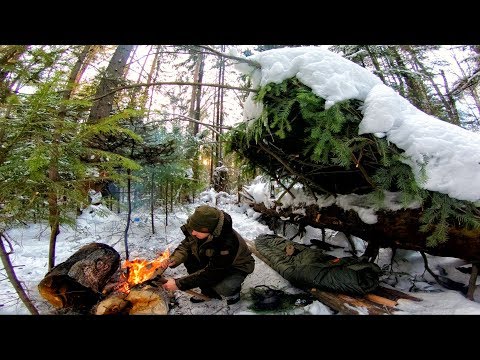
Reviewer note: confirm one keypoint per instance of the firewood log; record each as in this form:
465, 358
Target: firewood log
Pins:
114, 304
148, 300
77, 282
143, 299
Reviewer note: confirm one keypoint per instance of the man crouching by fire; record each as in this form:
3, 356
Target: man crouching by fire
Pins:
216, 257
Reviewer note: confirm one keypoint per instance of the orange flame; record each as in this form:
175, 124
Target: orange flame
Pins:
142, 270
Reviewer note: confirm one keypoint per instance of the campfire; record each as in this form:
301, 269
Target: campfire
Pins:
138, 271
89, 281
134, 293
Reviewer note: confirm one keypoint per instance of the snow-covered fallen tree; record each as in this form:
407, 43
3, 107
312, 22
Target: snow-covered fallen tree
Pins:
372, 164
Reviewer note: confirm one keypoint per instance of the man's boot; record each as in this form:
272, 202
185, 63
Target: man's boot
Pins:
233, 299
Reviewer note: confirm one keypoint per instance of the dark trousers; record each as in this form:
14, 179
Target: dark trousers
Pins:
228, 286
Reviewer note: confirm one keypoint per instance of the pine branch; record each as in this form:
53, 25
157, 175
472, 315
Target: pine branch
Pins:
159, 83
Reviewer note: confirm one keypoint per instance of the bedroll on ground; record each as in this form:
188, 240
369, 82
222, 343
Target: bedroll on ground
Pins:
305, 267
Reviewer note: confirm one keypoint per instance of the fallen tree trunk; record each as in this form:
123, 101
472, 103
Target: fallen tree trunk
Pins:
394, 229
297, 139
77, 283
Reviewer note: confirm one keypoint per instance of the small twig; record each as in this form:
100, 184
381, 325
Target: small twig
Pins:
289, 168
472, 284
198, 295
425, 261
231, 57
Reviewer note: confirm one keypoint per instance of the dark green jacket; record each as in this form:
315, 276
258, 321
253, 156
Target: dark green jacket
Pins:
218, 255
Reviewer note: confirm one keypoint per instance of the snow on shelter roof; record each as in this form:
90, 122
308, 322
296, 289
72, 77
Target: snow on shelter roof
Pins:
449, 153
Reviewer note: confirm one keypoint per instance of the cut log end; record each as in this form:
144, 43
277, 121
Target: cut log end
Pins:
141, 300
76, 283
148, 300
64, 292
113, 305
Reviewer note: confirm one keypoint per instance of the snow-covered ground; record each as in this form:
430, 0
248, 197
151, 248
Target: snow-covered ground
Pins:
98, 224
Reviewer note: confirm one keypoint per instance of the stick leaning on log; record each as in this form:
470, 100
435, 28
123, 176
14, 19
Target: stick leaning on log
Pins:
159, 280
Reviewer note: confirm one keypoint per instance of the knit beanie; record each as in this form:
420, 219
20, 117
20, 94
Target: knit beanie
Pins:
204, 219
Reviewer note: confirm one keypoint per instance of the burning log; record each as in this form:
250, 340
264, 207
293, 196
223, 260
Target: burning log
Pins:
77, 282
139, 290
90, 281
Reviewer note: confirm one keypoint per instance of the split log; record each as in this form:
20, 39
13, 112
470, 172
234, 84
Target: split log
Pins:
350, 305
381, 300
143, 299
393, 294
77, 283
114, 304
148, 300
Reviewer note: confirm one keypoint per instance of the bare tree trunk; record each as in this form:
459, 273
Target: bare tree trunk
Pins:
127, 66
92, 52
198, 94
12, 277
53, 174
53, 219
129, 215
152, 200
198, 98
75, 75
172, 192
9, 56
153, 70
191, 112
450, 101
415, 91
221, 80
472, 284
166, 203
375, 63
395, 76
473, 91
451, 110
103, 106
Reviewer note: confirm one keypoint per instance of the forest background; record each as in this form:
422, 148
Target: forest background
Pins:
153, 119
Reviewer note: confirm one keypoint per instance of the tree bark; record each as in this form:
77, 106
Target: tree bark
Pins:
375, 63
77, 282
103, 106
